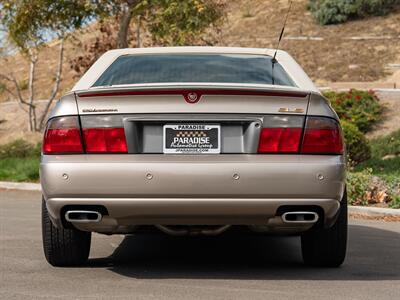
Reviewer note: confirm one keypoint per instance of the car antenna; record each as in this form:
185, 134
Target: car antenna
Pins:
274, 61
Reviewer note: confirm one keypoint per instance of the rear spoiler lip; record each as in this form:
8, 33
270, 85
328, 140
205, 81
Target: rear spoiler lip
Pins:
199, 90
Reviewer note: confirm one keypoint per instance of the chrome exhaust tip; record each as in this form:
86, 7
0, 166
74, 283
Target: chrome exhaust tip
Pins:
300, 217
83, 216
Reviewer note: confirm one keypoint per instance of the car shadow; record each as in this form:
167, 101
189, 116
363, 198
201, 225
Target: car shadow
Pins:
372, 255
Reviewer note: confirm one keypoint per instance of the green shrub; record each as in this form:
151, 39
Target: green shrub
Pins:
23, 84
395, 203
357, 146
339, 11
19, 169
19, 161
386, 145
363, 188
381, 167
361, 108
385, 156
2, 88
358, 184
19, 149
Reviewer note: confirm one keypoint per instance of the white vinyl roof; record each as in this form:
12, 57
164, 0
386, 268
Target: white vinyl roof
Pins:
293, 69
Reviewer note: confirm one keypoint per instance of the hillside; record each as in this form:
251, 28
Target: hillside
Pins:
355, 51
332, 53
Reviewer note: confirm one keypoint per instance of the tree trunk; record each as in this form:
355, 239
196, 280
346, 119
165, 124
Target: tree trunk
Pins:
124, 24
32, 109
138, 41
55, 88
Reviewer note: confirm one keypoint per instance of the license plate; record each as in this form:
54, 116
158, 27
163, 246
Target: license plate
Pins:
192, 139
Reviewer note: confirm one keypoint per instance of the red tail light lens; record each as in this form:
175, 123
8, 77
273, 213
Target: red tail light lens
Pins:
105, 140
279, 140
322, 136
62, 136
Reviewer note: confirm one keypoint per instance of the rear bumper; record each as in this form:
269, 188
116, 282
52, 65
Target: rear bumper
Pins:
168, 189
125, 213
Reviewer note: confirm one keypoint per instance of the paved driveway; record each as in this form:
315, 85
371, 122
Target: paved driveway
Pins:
162, 267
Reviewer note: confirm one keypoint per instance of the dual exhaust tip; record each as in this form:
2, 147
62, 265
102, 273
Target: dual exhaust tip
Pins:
83, 216
303, 217
88, 216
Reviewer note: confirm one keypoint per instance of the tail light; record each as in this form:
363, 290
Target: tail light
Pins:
322, 136
281, 134
104, 134
279, 140
105, 140
62, 136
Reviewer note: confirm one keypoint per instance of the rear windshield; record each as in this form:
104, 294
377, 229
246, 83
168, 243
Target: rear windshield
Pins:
212, 68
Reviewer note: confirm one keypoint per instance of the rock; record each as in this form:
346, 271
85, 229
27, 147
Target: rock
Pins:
352, 67
381, 196
389, 156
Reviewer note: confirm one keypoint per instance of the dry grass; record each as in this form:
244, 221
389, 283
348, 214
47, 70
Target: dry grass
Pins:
375, 218
390, 118
14, 124
326, 60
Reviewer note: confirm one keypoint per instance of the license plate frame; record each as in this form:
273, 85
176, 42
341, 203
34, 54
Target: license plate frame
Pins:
189, 138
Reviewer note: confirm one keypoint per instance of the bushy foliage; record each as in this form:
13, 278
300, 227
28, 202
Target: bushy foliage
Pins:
357, 185
178, 23
386, 145
19, 149
361, 108
162, 23
364, 188
385, 157
30, 23
2, 87
19, 161
339, 11
357, 146
395, 202
19, 169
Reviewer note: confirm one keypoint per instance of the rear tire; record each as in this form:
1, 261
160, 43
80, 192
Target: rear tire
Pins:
63, 247
326, 247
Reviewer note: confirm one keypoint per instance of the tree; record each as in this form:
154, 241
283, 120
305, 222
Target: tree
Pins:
163, 22
29, 25
170, 22
178, 23
174, 22
127, 11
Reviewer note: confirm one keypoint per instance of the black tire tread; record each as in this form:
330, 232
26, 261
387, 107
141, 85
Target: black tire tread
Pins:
326, 247
63, 247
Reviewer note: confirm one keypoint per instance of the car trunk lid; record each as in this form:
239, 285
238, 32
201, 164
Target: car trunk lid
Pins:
147, 115
193, 99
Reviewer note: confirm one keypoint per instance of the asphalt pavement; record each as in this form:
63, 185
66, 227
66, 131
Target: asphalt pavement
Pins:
163, 267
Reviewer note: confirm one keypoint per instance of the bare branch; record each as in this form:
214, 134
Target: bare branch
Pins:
56, 85
138, 41
20, 104
32, 117
18, 95
33, 57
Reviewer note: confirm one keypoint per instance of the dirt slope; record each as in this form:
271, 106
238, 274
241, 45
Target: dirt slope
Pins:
337, 57
391, 117
333, 56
